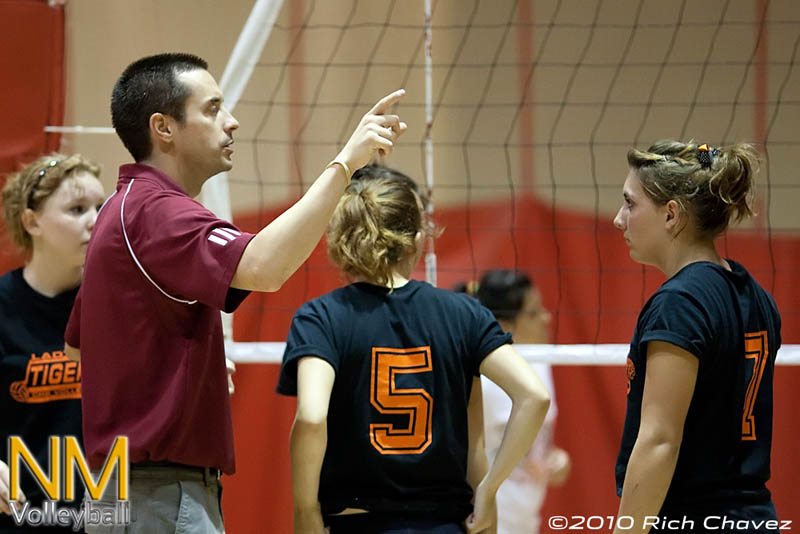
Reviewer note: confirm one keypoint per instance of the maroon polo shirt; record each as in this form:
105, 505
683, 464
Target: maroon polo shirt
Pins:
147, 322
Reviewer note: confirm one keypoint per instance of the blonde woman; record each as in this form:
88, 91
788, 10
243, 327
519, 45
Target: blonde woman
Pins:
388, 435
698, 429
49, 211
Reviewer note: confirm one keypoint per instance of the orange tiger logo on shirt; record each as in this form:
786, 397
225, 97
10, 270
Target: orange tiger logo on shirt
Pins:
630, 371
49, 377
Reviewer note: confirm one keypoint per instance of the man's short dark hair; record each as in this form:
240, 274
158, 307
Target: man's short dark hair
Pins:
150, 85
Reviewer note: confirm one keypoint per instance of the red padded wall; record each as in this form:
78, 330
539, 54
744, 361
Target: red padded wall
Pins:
32, 74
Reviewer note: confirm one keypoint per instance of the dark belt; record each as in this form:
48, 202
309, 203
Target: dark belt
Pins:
206, 474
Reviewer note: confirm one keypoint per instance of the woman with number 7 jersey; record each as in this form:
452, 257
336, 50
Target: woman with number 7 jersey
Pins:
698, 430
388, 433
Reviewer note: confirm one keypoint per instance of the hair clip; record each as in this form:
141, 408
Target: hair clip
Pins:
706, 155
39, 177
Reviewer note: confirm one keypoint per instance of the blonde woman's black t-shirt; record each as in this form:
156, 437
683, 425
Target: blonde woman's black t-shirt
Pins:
731, 324
397, 421
39, 388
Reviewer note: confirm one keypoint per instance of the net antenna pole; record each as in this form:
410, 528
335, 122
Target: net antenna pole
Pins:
215, 194
430, 256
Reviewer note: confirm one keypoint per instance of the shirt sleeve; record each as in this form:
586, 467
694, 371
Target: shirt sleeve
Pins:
489, 335
72, 334
677, 318
185, 250
310, 335
778, 324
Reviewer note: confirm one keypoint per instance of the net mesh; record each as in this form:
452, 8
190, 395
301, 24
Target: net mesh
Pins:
535, 105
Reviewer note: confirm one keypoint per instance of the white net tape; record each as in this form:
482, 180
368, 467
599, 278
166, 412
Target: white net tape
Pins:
607, 354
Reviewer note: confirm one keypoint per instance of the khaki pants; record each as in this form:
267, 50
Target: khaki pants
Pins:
168, 499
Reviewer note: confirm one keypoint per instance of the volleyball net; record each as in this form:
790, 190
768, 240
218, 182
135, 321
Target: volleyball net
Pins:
520, 114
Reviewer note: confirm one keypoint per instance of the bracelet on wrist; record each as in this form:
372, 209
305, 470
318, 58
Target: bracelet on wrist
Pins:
345, 168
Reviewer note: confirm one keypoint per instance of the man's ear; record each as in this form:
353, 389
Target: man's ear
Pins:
162, 127
30, 222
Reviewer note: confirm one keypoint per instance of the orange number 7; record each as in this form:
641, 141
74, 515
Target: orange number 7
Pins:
388, 399
755, 348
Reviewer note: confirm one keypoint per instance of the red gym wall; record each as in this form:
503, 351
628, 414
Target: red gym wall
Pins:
591, 399
33, 89
35, 78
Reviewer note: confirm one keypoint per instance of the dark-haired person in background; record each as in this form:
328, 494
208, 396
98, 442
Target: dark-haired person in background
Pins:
517, 305
698, 428
49, 210
160, 266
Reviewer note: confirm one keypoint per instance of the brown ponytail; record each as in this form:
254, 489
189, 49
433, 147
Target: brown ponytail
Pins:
373, 228
713, 185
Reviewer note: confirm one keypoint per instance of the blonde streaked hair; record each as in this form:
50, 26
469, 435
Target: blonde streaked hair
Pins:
374, 226
33, 185
712, 185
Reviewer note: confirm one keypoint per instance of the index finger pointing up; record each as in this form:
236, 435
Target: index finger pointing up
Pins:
387, 102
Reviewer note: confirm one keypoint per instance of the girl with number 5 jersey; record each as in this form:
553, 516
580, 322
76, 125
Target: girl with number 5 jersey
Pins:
388, 433
698, 430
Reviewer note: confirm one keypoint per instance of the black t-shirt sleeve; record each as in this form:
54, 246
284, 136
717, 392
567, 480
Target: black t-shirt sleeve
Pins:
676, 318
489, 335
311, 334
777, 319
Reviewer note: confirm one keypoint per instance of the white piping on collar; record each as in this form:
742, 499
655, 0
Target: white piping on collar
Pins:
135, 259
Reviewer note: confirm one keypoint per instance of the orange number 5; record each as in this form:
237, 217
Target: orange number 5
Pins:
756, 349
388, 399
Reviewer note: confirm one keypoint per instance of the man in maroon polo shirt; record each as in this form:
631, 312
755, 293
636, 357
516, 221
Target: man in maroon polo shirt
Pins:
160, 266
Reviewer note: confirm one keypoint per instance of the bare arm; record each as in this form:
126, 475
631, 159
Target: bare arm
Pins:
477, 462
72, 353
558, 466
668, 388
279, 249
309, 440
5, 490
530, 400
230, 366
